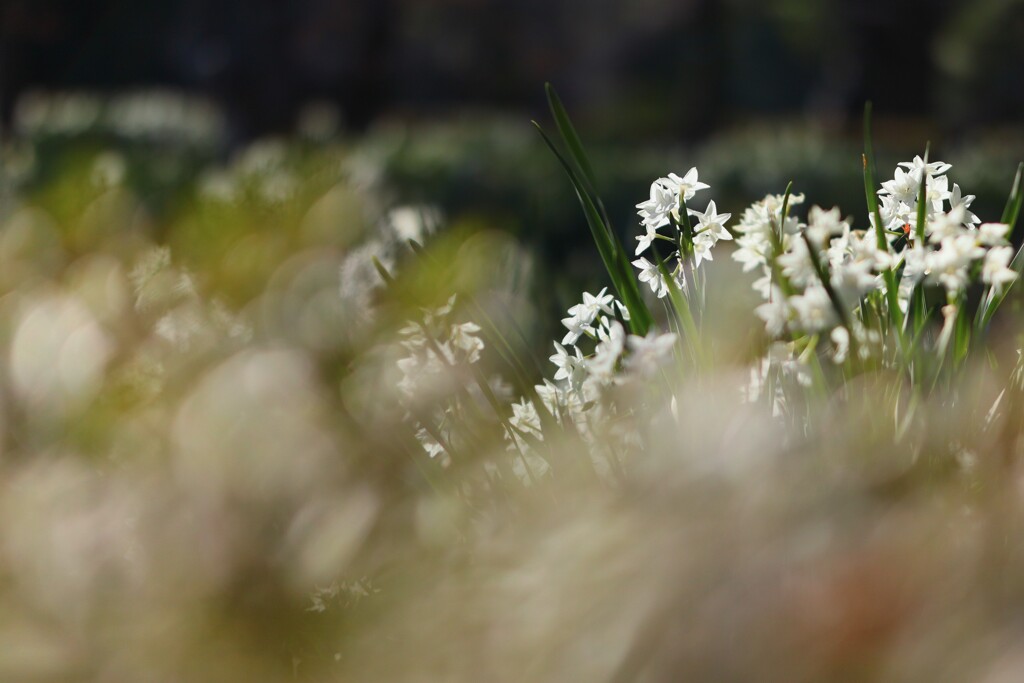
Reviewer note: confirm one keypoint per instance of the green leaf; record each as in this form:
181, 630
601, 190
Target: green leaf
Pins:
681, 306
1010, 214
570, 136
576, 152
868, 160
922, 199
890, 277
962, 333
611, 254
382, 271
1013, 203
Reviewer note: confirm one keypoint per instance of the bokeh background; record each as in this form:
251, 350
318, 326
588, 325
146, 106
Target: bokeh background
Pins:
654, 69
434, 99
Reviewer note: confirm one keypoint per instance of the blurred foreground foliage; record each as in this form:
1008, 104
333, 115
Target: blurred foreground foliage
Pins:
208, 473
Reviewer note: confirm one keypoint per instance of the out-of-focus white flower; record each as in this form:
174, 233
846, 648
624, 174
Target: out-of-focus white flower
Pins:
647, 354
915, 263
823, 225
840, 337
108, 170
58, 353
753, 250
797, 265
464, 337
862, 246
526, 419
853, 279
944, 225
430, 445
949, 265
774, 313
996, 271
608, 352
813, 309
992, 234
413, 222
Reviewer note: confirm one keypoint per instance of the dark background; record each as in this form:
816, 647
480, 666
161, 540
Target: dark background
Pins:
676, 69
435, 98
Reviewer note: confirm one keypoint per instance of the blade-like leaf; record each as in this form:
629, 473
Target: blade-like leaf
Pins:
890, 277
681, 306
1013, 202
570, 136
1010, 214
922, 199
622, 278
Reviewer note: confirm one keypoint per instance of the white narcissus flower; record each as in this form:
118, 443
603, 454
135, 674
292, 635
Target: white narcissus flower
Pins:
684, 187
577, 328
949, 265
992, 234
774, 313
917, 165
608, 352
711, 222
936, 192
863, 246
645, 240
647, 354
650, 274
956, 198
840, 337
654, 213
526, 419
823, 225
753, 250
582, 315
996, 271
702, 245
710, 229
464, 337
854, 279
796, 264
570, 366
915, 263
903, 188
946, 225
899, 195
763, 284
813, 309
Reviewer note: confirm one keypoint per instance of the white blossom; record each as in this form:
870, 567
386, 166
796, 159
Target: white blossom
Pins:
651, 274
813, 309
996, 271
647, 354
